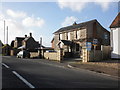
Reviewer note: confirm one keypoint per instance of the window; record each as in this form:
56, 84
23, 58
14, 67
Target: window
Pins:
78, 34
60, 36
106, 36
77, 47
68, 35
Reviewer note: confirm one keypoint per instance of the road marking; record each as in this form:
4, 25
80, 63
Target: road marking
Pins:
5, 65
21, 78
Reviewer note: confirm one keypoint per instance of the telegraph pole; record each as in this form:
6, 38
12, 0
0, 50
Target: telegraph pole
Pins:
40, 42
4, 31
7, 36
40, 50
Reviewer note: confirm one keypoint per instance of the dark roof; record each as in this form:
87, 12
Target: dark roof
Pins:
12, 43
80, 25
26, 38
116, 21
1, 43
19, 38
66, 42
52, 40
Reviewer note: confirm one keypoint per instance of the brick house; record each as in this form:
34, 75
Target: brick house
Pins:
1, 45
115, 37
73, 38
18, 41
27, 43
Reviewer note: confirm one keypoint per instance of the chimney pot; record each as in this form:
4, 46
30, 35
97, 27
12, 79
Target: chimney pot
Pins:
74, 23
30, 34
25, 36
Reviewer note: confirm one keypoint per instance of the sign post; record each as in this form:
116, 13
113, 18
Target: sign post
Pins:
89, 46
95, 42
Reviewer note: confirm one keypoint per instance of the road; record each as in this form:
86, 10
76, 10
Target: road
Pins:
38, 73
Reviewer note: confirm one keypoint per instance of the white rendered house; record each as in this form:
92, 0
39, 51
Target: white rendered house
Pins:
115, 37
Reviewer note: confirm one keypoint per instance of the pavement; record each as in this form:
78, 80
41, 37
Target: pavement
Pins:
40, 73
107, 67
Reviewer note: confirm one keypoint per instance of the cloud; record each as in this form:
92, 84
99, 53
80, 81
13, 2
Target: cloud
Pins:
19, 27
104, 5
69, 21
31, 21
17, 14
74, 6
78, 6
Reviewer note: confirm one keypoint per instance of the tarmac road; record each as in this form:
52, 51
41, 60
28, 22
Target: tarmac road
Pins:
39, 73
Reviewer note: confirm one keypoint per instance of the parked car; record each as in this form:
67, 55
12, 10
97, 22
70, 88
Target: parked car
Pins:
50, 51
23, 54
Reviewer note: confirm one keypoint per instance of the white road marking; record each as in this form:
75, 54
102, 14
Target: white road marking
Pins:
24, 80
5, 65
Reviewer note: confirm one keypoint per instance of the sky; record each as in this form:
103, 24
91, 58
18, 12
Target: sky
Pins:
42, 19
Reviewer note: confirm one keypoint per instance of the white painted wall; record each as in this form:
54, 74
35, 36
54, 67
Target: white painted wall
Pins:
115, 42
119, 42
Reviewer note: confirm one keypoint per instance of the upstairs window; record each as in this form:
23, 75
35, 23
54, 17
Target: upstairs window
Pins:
60, 36
105, 36
68, 35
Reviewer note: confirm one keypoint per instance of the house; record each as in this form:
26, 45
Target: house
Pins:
18, 41
6, 49
27, 43
115, 37
73, 38
1, 45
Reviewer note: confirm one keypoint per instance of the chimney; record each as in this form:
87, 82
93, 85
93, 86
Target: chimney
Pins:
30, 34
74, 23
25, 36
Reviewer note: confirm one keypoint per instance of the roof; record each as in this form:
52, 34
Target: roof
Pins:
26, 38
19, 38
80, 25
21, 47
116, 21
1, 43
52, 40
66, 42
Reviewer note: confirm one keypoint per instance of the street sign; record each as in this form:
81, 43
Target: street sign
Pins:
88, 45
95, 42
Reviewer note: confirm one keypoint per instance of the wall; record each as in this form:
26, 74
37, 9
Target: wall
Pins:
34, 54
58, 56
106, 50
96, 55
31, 43
13, 52
115, 35
101, 32
118, 42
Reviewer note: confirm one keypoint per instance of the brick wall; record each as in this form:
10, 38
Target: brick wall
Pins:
57, 56
96, 55
34, 54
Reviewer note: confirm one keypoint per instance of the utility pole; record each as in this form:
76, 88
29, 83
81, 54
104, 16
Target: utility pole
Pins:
4, 31
7, 36
40, 42
40, 50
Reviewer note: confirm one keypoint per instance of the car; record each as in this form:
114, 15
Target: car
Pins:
50, 51
23, 54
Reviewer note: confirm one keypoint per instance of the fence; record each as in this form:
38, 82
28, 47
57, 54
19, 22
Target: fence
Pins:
96, 55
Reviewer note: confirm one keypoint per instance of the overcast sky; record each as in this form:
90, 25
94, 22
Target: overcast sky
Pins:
44, 18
